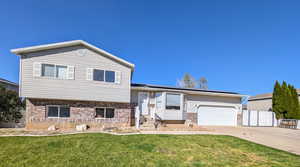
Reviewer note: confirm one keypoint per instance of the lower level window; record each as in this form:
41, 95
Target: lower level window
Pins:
105, 112
58, 111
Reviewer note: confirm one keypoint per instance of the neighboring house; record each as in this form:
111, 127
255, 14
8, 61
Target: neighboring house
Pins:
9, 85
74, 82
262, 102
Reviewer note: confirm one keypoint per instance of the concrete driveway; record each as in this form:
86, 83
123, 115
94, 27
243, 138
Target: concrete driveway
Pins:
280, 138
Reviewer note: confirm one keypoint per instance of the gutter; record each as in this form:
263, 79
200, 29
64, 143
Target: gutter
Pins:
188, 92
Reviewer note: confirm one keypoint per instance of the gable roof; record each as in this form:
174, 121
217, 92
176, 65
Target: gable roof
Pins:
265, 96
136, 86
20, 51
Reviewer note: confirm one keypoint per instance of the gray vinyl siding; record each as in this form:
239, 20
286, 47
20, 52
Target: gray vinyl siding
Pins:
214, 99
80, 88
134, 96
260, 105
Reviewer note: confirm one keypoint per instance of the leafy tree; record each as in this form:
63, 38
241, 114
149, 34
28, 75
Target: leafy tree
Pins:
203, 83
276, 100
187, 81
290, 103
284, 99
10, 106
294, 109
297, 107
285, 102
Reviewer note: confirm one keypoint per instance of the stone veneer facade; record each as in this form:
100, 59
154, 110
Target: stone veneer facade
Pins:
81, 112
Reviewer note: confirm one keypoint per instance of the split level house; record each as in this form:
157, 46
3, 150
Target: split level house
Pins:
70, 83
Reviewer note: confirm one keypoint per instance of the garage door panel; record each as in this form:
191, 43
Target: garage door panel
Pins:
218, 116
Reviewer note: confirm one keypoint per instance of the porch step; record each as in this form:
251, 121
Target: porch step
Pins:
148, 124
147, 127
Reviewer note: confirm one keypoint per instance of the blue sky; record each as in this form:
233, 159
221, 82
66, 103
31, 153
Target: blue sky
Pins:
241, 46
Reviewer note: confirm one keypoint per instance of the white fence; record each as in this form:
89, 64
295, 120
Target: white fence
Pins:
258, 118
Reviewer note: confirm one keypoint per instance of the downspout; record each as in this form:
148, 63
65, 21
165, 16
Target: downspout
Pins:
20, 76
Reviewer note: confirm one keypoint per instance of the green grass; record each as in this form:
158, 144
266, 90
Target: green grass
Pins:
139, 150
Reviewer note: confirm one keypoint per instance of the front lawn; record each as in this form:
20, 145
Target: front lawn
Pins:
139, 150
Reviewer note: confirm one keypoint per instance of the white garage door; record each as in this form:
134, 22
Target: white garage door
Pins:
221, 116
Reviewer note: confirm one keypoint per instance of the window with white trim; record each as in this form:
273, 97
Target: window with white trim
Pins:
159, 100
61, 72
98, 75
105, 112
48, 70
104, 75
57, 111
109, 76
54, 71
173, 101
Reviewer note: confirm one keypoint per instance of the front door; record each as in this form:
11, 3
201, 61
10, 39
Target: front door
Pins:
143, 102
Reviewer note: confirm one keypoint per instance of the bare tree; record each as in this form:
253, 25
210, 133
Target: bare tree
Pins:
203, 83
187, 81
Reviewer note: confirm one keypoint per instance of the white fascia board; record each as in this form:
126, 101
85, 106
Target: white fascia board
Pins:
189, 92
20, 51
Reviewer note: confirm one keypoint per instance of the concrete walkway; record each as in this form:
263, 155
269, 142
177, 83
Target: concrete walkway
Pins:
279, 138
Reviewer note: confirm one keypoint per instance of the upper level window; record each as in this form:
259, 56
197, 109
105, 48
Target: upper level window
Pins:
109, 76
61, 72
58, 111
54, 71
173, 101
101, 75
98, 75
48, 70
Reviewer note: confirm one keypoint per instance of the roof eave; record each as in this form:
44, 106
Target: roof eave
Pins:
188, 92
30, 49
25, 50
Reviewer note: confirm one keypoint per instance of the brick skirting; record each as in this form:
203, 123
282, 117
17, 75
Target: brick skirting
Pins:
192, 116
81, 112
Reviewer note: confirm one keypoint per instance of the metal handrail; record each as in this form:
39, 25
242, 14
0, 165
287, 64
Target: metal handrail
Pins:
157, 120
157, 117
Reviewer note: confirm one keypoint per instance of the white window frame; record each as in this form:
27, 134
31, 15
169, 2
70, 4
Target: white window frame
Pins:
58, 114
104, 112
104, 75
55, 76
162, 101
180, 105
